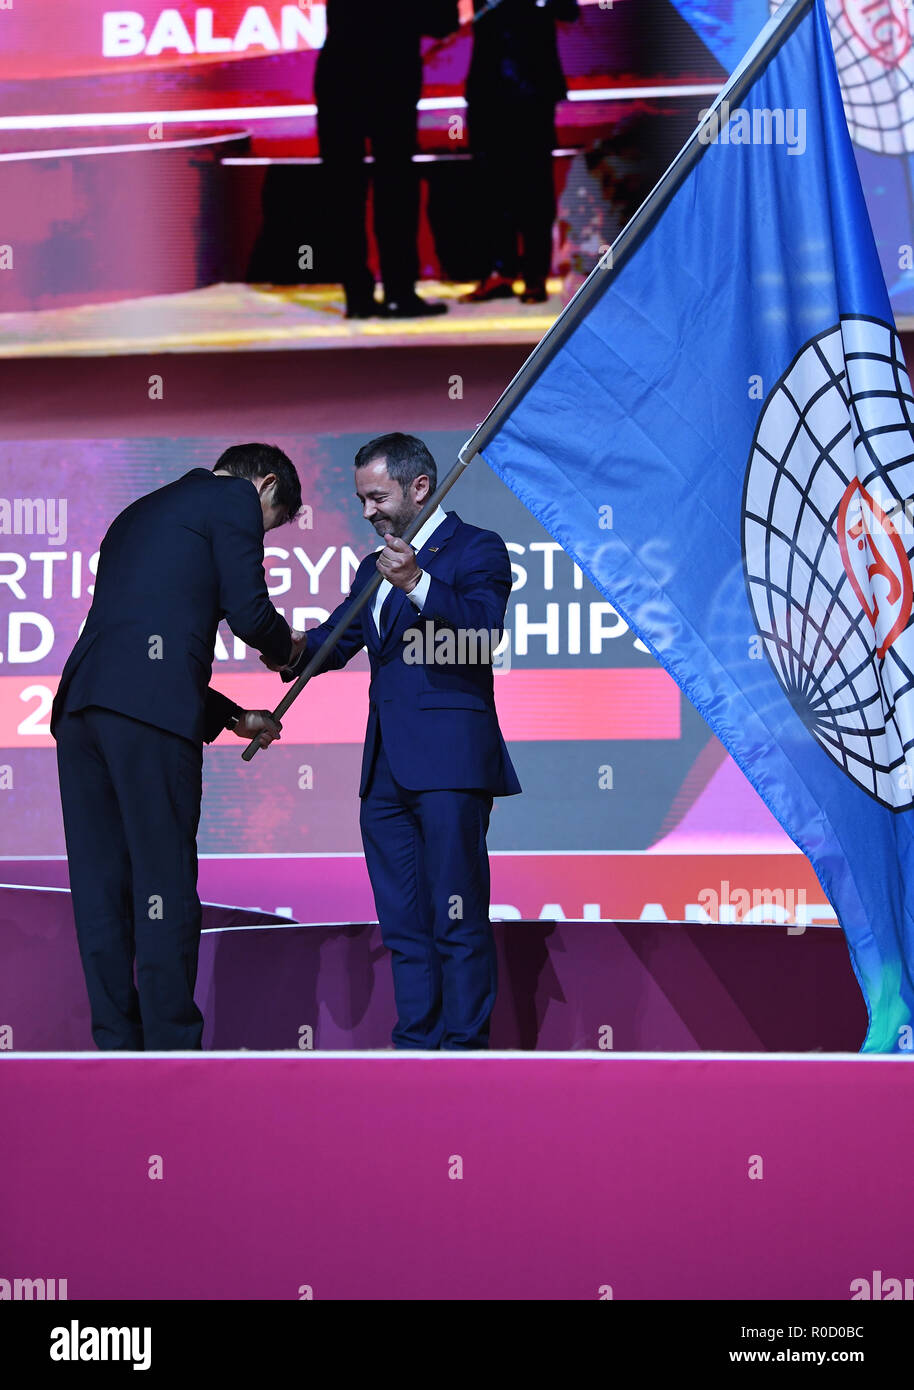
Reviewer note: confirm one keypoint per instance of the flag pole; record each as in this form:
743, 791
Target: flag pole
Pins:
319, 658
775, 33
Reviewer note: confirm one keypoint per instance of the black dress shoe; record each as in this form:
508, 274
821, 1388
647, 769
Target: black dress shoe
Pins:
361, 308
411, 306
492, 287
534, 293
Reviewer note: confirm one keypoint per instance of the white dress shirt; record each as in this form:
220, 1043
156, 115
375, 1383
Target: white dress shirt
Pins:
419, 594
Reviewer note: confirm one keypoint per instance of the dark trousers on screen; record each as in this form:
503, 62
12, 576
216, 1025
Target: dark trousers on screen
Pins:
131, 806
512, 150
355, 105
429, 870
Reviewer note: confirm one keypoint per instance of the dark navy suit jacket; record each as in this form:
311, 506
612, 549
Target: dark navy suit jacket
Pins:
385, 31
437, 721
171, 565
515, 52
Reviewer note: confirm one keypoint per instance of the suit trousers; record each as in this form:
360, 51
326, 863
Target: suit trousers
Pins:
352, 110
512, 142
131, 806
429, 869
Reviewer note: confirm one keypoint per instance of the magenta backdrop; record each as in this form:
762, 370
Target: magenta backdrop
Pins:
578, 1174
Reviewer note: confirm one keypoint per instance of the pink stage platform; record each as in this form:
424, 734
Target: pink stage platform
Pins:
334, 1176
265, 983
649, 1170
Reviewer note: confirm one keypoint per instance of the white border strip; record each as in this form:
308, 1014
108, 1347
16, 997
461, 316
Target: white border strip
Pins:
150, 144
389, 1054
282, 923
456, 157
75, 120
36, 888
648, 854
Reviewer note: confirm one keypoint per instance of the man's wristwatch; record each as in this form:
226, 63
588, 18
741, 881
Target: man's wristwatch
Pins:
234, 719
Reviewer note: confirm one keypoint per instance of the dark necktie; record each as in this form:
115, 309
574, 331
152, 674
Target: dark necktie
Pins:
386, 610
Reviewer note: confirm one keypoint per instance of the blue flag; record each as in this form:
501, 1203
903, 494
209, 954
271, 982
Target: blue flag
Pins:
718, 429
727, 27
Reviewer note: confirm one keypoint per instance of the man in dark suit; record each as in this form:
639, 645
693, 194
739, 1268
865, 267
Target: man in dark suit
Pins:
434, 756
513, 85
131, 714
367, 82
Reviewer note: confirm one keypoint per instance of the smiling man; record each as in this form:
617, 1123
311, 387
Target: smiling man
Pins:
434, 756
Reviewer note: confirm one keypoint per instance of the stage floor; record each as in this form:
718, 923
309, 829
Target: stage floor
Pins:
267, 984
232, 317
491, 1176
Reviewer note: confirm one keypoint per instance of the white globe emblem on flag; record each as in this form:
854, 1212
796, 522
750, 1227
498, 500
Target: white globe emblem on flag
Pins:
828, 542
874, 51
